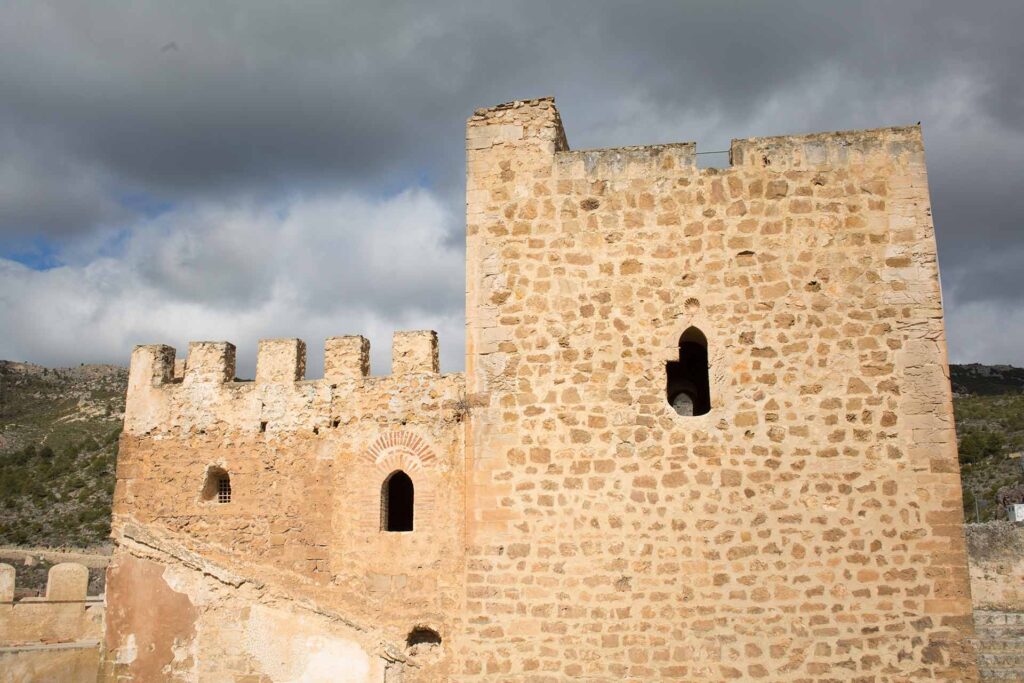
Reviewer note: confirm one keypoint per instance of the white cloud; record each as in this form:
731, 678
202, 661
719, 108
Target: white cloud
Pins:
309, 266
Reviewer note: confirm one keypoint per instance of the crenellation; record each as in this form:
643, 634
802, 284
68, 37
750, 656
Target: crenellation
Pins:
55, 637
279, 361
67, 581
7, 577
210, 363
875, 149
151, 365
346, 358
415, 352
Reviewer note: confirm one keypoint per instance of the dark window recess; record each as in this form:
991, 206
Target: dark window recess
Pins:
396, 502
421, 635
217, 486
687, 386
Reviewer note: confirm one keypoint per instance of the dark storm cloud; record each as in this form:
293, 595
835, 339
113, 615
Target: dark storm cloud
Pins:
260, 105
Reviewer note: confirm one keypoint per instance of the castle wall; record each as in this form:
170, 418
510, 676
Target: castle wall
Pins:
809, 526
568, 523
54, 638
997, 565
306, 461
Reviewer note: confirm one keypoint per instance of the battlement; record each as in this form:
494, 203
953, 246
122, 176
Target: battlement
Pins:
65, 582
160, 386
281, 361
510, 128
65, 614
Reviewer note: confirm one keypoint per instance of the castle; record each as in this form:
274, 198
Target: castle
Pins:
704, 433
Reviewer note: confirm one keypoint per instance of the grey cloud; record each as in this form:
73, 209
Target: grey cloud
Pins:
262, 103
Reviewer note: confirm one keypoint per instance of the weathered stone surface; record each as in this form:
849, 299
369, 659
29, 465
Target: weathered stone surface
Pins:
568, 522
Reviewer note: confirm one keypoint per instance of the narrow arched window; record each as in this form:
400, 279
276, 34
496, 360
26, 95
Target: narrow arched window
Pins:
687, 387
396, 502
217, 487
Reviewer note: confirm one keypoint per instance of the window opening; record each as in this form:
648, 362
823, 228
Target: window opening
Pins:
217, 487
224, 490
422, 635
396, 497
687, 387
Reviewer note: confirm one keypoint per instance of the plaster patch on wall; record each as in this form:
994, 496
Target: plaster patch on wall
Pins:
292, 649
128, 651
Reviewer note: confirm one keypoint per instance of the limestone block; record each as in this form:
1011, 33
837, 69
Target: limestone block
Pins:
6, 583
151, 364
280, 361
346, 358
67, 581
210, 362
414, 353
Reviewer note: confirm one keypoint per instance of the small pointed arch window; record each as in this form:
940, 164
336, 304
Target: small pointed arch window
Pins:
396, 502
687, 387
217, 487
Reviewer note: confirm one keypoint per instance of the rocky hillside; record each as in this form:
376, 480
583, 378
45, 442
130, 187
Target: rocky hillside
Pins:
59, 430
58, 446
986, 380
989, 405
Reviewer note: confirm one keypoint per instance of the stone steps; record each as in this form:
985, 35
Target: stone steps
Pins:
999, 642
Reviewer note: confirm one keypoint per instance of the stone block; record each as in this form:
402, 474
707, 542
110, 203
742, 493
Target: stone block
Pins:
280, 361
67, 581
210, 362
414, 353
346, 358
7, 575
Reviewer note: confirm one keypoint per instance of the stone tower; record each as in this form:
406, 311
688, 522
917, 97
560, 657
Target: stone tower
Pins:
704, 433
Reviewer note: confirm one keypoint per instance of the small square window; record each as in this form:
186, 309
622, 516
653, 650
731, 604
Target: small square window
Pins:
224, 490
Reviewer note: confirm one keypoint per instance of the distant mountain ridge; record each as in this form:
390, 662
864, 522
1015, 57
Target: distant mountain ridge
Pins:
986, 380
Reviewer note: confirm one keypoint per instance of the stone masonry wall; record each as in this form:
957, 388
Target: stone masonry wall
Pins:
53, 638
302, 531
569, 524
809, 527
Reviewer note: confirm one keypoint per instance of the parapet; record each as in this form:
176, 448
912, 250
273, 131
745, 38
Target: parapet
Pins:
162, 395
65, 582
415, 352
530, 122
346, 358
820, 151
513, 129
280, 360
209, 362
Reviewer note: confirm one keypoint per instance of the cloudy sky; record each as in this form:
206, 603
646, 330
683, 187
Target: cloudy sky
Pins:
236, 170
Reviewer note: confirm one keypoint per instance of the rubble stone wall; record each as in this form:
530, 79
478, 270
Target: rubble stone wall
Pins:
306, 461
568, 523
809, 526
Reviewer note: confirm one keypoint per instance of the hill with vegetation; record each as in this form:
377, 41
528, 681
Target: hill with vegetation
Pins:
988, 401
59, 430
58, 446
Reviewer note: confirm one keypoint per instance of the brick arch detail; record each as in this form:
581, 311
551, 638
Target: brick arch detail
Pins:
400, 450
406, 451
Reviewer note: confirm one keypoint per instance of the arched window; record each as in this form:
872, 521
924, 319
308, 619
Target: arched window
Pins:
687, 387
217, 487
396, 502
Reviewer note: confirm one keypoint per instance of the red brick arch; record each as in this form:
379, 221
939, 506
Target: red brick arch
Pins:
400, 450
406, 451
